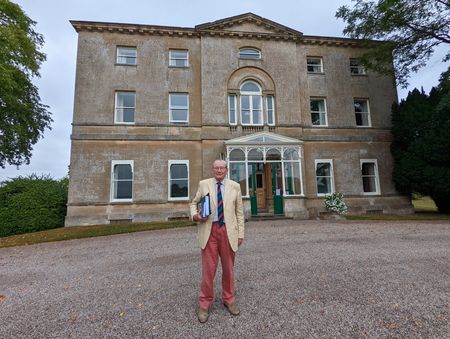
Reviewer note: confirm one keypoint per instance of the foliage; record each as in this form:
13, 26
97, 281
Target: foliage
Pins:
335, 203
421, 130
23, 118
411, 28
29, 204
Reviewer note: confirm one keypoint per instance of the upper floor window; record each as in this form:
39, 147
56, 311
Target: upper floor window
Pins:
179, 107
369, 174
122, 180
232, 116
362, 114
324, 177
251, 104
126, 55
125, 106
249, 53
318, 112
356, 67
314, 65
178, 179
270, 110
178, 58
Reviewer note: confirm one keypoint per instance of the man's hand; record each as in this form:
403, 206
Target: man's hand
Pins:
197, 217
240, 241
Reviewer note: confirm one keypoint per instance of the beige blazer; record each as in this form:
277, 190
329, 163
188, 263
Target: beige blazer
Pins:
232, 208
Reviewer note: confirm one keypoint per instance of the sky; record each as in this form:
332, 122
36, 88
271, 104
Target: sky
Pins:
51, 155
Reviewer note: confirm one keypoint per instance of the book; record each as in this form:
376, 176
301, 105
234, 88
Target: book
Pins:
204, 207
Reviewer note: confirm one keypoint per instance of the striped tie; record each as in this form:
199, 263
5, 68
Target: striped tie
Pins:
219, 205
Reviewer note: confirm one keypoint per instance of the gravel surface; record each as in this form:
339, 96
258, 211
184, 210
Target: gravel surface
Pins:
294, 279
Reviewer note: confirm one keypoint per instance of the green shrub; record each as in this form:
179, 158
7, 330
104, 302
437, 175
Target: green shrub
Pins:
33, 203
335, 203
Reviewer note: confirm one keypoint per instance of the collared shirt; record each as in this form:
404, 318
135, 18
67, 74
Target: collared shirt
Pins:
222, 191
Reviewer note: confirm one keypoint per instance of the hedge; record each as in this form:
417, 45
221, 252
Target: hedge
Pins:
33, 203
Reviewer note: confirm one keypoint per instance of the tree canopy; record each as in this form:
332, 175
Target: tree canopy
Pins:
412, 29
23, 118
421, 130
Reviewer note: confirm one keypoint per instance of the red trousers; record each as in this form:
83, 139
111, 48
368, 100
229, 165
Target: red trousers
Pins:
217, 246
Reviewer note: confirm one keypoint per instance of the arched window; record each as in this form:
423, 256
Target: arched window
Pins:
249, 53
251, 104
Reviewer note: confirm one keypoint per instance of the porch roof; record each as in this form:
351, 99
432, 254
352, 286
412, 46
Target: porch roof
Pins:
263, 138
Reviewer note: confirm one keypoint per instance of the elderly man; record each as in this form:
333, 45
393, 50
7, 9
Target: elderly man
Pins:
219, 234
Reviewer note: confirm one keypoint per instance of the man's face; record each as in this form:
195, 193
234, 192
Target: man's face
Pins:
219, 170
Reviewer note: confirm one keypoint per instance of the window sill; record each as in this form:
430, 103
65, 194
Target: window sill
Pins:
181, 67
132, 65
122, 201
124, 123
318, 73
178, 199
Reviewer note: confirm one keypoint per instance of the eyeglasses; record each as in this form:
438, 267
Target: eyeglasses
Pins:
219, 168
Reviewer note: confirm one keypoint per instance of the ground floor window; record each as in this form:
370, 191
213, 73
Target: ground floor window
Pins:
122, 180
324, 176
369, 174
178, 179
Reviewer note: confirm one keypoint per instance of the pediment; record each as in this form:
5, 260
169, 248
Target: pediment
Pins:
263, 138
248, 23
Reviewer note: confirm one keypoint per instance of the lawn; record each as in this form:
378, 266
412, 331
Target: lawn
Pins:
66, 233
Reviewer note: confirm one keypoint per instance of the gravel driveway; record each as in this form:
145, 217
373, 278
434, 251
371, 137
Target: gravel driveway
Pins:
295, 279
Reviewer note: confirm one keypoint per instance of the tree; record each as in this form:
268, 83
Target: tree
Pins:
412, 29
421, 130
23, 118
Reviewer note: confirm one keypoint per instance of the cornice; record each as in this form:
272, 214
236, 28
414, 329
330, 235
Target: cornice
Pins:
218, 29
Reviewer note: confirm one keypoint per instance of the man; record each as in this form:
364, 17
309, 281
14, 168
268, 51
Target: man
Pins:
219, 234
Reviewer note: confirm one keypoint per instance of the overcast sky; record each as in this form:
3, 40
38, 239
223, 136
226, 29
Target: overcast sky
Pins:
56, 85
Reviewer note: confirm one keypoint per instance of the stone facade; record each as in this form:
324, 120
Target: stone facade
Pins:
147, 168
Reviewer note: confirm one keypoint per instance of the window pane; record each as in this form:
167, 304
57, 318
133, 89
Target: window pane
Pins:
362, 119
245, 102
123, 172
232, 109
369, 184
257, 118
360, 106
127, 114
123, 190
291, 154
292, 178
256, 102
178, 171
315, 118
250, 87
314, 65
249, 53
323, 169
245, 117
368, 168
237, 173
323, 185
125, 99
178, 54
255, 154
317, 105
273, 154
237, 154
179, 100
179, 114
126, 55
179, 188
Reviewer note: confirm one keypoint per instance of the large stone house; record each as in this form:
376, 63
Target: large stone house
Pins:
296, 117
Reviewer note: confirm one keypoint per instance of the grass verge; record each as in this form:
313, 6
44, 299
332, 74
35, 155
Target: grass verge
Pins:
78, 232
415, 216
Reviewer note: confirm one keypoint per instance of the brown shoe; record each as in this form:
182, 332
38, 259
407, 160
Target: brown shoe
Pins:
232, 308
203, 315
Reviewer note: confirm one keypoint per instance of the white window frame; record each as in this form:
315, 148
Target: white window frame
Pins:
369, 121
314, 65
177, 162
325, 113
272, 98
254, 52
116, 108
251, 95
358, 69
329, 161
121, 162
377, 177
173, 60
178, 107
118, 56
234, 98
